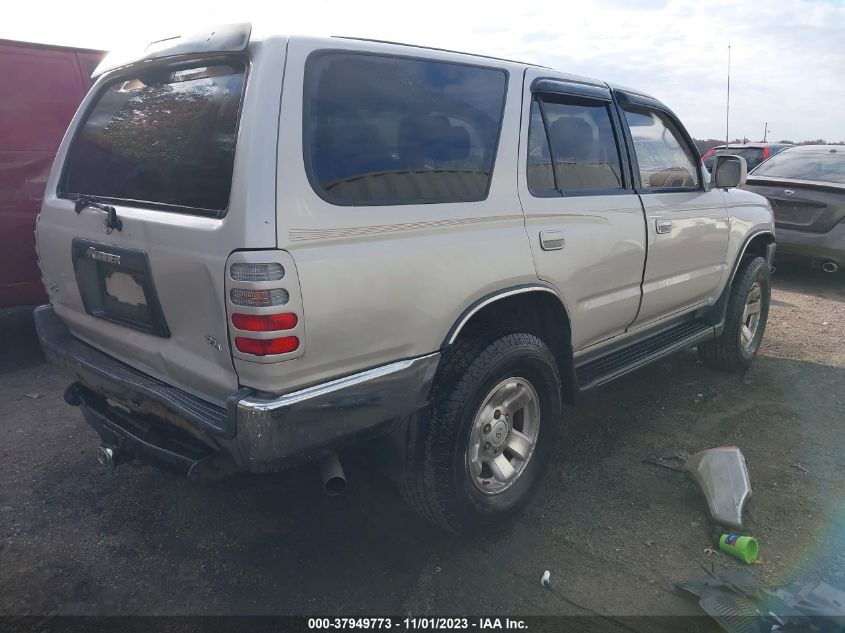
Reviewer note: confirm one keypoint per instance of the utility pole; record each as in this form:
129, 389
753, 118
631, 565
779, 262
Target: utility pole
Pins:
728, 105
765, 131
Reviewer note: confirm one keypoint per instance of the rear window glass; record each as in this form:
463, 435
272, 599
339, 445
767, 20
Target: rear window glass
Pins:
390, 130
161, 138
823, 167
753, 156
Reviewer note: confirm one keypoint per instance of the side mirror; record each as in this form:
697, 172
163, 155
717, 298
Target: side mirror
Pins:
729, 171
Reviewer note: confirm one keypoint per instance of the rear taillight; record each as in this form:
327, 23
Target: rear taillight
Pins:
707, 153
265, 322
766, 152
264, 306
267, 346
248, 271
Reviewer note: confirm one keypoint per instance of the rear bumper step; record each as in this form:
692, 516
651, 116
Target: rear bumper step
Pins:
103, 374
262, 432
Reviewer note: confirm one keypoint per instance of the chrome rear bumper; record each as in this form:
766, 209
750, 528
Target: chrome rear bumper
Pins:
262, 432
298, 425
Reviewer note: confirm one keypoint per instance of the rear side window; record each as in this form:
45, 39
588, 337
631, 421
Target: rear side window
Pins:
664, 158
541, 178
163, 138
578, 136
391, 130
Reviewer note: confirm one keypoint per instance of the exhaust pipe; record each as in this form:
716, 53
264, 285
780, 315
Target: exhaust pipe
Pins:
334, 480
830, 267
105, 456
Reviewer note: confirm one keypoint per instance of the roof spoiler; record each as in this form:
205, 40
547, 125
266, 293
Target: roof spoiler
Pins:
225, 38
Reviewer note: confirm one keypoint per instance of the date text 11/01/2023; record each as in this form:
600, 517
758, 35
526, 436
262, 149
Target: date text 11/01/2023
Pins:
417, 624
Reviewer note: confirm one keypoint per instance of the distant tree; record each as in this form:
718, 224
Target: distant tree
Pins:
785, 142
705, 144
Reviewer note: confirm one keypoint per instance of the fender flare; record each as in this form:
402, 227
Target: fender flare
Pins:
716, 313
748, 239
483, 302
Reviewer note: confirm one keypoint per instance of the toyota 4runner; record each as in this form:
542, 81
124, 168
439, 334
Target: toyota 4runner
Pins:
259, 250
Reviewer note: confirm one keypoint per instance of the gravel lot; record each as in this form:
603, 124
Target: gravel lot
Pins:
615, 533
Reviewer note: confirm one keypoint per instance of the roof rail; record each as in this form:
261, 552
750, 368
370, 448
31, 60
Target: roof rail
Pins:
433, 48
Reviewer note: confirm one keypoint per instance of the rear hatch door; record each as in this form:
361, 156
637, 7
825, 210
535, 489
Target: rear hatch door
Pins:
170, 148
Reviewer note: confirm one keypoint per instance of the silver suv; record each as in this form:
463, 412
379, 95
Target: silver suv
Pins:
261, 250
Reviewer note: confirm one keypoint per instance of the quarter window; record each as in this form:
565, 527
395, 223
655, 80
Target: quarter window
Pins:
572, 147
664, 158
541, 178
391, 130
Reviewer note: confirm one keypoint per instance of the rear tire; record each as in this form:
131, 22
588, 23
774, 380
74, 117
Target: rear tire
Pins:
745, 319
493, 392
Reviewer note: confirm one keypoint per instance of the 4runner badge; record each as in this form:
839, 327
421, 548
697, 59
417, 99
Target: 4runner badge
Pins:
213, 342
102, 256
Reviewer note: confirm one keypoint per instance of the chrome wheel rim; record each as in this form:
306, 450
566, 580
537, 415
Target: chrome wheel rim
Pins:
751, 315
503, 435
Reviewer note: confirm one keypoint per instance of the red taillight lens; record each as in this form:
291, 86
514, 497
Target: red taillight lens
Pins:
707, 153
264, 322
265, 347
766, 152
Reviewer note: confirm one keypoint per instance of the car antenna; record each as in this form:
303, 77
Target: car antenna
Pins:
728, 105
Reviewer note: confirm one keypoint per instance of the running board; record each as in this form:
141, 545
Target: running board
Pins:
617, 363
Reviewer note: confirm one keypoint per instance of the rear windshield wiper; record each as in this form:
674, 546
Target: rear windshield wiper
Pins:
112, 221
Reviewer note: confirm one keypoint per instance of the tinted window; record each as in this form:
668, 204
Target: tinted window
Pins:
164, 138
753, 156
583, 146
824, 167
389, 130
665, 160
540, 176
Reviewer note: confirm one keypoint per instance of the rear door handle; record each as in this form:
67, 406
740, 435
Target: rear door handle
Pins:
551, 240
663, 226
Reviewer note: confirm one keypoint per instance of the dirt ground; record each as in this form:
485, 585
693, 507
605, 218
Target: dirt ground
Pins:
615, 532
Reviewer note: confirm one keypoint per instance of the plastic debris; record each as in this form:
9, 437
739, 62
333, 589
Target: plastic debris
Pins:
546, 580
744, 548
740, 604
722, 475
34, 396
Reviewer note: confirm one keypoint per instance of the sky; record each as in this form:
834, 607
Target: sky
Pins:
787, 56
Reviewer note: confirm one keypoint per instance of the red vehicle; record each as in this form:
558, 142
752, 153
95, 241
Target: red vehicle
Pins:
42, 87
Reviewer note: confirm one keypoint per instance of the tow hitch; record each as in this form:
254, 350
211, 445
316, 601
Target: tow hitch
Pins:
127, 437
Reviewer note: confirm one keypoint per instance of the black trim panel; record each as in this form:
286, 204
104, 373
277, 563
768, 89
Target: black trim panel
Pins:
570, 88
617, 363
94, 263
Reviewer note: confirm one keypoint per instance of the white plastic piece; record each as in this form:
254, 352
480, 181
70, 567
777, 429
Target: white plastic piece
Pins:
723, 477
546, 580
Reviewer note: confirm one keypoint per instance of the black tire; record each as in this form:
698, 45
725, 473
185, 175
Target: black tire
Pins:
727, 352
436, 482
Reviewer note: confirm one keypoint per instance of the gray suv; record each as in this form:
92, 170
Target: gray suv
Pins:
261, 250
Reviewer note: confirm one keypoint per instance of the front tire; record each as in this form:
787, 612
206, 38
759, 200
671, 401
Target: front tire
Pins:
745, 319
492, 424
